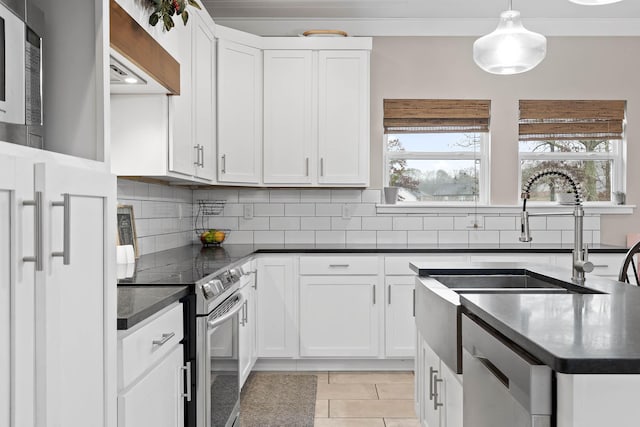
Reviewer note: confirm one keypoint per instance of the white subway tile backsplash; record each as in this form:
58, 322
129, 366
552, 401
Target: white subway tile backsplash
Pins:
268, 209
315, 196
447, 237
422, 237
315, 223
300, 209
354, 223
330, 237
284, 223
407, 223
591, 222
537, 223
346, 196
546, 237
268, 237
488, 237
328, 209
253, 196
371, 196
363, 209
240, 238
361, 238
221, 222
300, 237
559, 222
469, 222
257, 223
141, 190
500, 223
438, 223
155, 192
284, 196
510, 237
392, 237
233, 209
382, 223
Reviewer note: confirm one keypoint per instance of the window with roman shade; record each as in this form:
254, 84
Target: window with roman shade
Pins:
436, 149
583, 137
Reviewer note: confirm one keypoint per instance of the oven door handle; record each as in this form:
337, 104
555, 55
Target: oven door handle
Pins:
220, 320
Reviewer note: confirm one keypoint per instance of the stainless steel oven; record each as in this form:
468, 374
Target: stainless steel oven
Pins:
217, 366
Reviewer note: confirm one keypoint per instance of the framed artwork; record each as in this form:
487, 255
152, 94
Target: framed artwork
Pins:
127, 228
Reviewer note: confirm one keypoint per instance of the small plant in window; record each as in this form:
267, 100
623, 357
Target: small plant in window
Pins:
165, 10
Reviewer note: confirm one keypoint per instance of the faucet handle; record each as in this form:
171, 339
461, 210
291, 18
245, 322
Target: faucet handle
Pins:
585, 249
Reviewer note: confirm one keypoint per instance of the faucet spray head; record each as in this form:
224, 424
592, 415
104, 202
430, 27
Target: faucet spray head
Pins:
525, 233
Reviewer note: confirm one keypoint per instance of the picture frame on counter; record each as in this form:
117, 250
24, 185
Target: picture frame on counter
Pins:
127, 228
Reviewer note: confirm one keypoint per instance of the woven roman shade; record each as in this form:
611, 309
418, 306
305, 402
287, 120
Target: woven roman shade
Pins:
571, 120
436, 115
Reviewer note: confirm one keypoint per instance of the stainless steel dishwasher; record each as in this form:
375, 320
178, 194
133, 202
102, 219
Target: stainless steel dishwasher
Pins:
503, 387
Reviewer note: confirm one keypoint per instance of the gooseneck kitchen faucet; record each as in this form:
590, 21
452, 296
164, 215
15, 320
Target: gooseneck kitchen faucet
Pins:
581, 264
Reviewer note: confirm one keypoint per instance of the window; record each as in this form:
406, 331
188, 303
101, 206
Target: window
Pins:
584, 138
437, 150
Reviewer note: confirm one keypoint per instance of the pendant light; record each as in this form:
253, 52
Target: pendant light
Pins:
594, 2
511, 48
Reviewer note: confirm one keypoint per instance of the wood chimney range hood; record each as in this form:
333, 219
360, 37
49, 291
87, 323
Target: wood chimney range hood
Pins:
133, 42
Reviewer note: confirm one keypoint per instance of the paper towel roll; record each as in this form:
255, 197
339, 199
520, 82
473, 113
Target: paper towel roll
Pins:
125, 254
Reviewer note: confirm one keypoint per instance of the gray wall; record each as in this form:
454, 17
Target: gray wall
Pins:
575, 68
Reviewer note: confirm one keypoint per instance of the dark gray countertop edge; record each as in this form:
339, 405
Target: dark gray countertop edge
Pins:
127, 322
431, 250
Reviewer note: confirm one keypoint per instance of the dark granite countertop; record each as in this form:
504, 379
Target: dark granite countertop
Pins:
571, 333
136, 303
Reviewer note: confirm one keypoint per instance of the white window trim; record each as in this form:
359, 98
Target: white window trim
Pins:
483, 175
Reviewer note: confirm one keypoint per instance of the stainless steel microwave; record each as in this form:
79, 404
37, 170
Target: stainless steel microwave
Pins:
21, 41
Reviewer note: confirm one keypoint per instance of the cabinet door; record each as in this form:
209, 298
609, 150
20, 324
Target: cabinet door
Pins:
204, 98
339, 316
7, 208
239, 113
430, 410
181, 151
288, 101
247, 333
75, 303
156, 400
343, 117
400, 325
451, 396
276, 308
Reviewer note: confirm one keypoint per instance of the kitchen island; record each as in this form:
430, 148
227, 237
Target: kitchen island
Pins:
591, 341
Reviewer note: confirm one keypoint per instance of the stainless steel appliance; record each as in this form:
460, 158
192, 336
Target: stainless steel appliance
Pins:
21, 41
218, 303
503, 386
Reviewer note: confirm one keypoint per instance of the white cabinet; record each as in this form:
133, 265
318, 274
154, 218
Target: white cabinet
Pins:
343, 117
316, 109
247, 331
400, 327
277, 325
339, 316
6, 323
151, 369
438, 390
239, 113
289, 116
62, 216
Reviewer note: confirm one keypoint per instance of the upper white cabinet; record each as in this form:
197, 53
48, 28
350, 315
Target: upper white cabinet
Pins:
239, 113
343, 117
289, 96
316, 117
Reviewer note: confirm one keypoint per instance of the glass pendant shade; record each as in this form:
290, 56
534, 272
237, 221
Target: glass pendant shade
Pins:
511, 48
594, 2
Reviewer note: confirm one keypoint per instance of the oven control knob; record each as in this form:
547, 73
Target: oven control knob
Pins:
217, 285
235, 273
207, 290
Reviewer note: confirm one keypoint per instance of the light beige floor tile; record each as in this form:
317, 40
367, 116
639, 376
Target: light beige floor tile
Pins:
370, 377
395, 391
401, 422
346, 391
371, 409
349, 422
323, 377
322, 409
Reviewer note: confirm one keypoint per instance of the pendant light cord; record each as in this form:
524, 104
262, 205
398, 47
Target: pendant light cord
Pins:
510, 4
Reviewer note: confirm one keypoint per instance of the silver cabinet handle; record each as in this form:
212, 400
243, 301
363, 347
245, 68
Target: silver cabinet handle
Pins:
197, 148
414, 302
374, 294
432, 374
187, 371
307, 166
201, 151
164, 339
436, 404
224, 163
389, 292
37, 232
321, 166
66, 242
246, 312
338, 265
600, 266
243, 316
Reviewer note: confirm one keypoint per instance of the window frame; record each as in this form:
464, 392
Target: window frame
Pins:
484, 171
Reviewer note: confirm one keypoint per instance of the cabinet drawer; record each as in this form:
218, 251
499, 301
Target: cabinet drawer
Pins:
339, 265
606, 265
399, 265
142, 348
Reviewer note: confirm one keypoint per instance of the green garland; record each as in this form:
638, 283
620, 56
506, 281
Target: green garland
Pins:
165, 9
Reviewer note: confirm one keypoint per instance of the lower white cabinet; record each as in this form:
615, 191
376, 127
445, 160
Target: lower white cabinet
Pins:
277, 325
156, 400
152, 375
247, 331
438, 389
400, 326
339, 316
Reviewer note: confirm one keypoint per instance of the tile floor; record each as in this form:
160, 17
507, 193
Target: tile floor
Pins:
365, 399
